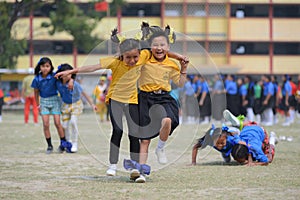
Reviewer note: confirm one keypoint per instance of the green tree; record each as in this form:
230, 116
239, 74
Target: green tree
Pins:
70, 18
10, 48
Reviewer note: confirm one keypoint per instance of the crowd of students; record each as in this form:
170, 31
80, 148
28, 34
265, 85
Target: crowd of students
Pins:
260, 99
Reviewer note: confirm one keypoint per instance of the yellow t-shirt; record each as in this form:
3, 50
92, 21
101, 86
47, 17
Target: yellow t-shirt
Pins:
26, 85
123, 87
157, 75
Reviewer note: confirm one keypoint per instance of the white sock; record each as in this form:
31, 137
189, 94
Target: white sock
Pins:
74, 126
292, 115
258, 118
250, 114
160, 144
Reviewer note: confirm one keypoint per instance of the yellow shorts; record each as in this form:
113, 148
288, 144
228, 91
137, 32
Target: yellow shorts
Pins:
71, 109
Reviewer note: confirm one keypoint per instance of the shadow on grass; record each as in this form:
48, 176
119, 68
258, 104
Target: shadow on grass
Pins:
124, 179
220, 163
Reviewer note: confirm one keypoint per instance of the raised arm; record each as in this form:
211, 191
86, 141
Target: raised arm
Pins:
87, 68
178, 57
183, 72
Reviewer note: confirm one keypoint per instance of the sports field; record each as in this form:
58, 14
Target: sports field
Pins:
28, 173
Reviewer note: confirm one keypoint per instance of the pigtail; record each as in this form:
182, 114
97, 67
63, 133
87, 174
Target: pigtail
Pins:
145, 28
124, 44
170, 33
115, 37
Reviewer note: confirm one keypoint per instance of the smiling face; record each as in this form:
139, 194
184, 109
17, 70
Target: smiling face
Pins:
131, 57
160, 48
220, 143
45, 69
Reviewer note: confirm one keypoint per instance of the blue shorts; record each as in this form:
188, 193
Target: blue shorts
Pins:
50, 105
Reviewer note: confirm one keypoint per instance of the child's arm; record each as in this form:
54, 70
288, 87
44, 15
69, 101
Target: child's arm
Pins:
183, 73
194, 153
71, 84
88, 68
37, 99
195, 150
89, 100
178, 57
202, 98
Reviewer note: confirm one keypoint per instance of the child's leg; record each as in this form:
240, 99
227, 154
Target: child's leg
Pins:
58, 126
46, 127
73, 122
35, 110
74, 136
134, 148
116, 114
250, 114
26, 109
235, 121
164, 131
144, 151
66, 126
163, 137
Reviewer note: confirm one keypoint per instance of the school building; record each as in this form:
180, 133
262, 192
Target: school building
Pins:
229, 36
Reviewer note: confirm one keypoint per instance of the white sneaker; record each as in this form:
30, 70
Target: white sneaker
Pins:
140, 179
268, 124
74, 148
282, 137
112, 170
134, 174
230, 117
204, 122
289, 139
273, 138
161, 156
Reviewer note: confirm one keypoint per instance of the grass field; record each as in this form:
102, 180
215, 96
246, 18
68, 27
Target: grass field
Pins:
28, 173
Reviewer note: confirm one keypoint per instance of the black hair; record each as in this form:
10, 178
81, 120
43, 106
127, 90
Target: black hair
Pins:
127, 44
268, 77
158, 34
42, 61
239, 151
64, 67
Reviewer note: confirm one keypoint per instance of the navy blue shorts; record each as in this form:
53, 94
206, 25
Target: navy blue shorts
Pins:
152, 109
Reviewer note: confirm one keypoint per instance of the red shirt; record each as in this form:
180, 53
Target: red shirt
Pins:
1, 93
294, 87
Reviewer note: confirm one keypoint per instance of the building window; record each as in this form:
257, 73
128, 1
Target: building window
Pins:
141, 10
249, 10
52, 47
173, 10
217, 47
251, 48
288, 11
217, 9
197, 10
287, 48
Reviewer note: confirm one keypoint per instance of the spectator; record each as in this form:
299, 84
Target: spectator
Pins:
218, 98
28, 97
